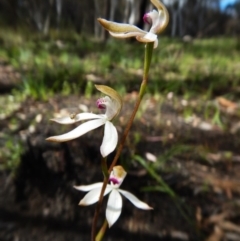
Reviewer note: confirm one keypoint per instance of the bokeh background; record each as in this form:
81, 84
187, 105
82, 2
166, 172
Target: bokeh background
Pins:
183, 152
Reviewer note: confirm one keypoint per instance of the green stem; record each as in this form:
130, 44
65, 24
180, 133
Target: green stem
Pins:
102, 231
147, 59
147, 62
104, 167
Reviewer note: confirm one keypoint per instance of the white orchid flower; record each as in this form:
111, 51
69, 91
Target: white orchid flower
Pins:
159, 20
112, 104
114, 204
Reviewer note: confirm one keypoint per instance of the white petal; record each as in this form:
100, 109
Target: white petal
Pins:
149, 37
79, 131
93, 196
114, 207
110, 139
134, 200
157, 20
79, 117
87, 188
155, 44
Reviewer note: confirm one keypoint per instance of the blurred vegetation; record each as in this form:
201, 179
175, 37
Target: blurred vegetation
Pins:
69, 64
10, 156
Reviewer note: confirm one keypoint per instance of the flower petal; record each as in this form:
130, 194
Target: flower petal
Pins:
93, 196
120, 28
79, 131
155, 44
117, 176
163, 16
87, 188
157, 19
114, 207
117, 103
79, 117
110, 139
134, 200
149, 37
127, 34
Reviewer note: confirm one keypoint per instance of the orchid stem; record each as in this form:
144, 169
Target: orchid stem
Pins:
99, 204
102, 231
104, 167
147, 62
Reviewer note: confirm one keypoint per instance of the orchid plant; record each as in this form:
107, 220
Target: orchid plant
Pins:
111, 103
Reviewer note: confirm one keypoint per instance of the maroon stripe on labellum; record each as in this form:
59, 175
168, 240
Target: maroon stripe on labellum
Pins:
113, 180
100, 104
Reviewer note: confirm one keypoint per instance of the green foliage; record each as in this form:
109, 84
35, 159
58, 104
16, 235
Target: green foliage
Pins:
89, 89
60, 64
10, 154
152, 171
153, 168
161, 185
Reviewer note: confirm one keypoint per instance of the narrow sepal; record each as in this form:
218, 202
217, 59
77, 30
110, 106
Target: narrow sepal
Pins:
134, 200
110, 139
121, 28
114, 207
93, 196
87, 188
75, 118
163, 12
79, 131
